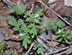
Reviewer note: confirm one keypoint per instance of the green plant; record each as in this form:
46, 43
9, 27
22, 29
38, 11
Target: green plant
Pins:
54, 24
3, 45
62, 35
30, 29
39, 49
11, 52
65, 36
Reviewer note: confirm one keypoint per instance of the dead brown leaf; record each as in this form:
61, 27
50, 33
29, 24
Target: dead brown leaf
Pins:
3, 23
8, 34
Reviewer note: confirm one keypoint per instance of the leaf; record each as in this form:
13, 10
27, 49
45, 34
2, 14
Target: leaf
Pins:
66, 40
67, 32
31, 25
54, 27
27, 14
7, 53
37, 20
60, 24
31, 53
12, 21
39, 12
60, 39
59, 36
53, 24
40, 51
36, 16
26, 41
16, 9
60, 31
71, 34
33, 31
19, 22
28, 19
2, 45
38, 27
53, 21
25, 29
15, 53
69, 37
22, 8
16, 28
47, 25
35, 47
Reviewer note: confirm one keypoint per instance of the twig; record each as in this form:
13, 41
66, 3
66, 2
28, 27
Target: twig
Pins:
27, 53
46, 47
8, 3
64, 52
61, 50
32, 9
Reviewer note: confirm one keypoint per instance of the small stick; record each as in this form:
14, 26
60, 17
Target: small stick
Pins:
27, 53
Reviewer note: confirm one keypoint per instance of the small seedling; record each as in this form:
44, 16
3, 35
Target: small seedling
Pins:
65, 36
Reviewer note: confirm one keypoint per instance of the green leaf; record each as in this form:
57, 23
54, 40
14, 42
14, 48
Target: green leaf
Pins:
38, 27
19, 22
30, 25
66, 40
60, 31
36, 21
47, 25
60, 24
54, 27
2, 45
12, 21
60, 39
33, 31
28, 19
16, 28
17, 10
7, 53
35, 47
67, 32
53, 24
71, 34
27, 14
22, 8
15, 53
31, 53
69, 37
26, 41
59, 36
53, 21
40, 51
39, 12
25, 29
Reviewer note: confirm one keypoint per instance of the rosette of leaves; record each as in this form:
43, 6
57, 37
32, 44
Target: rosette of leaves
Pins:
65, 36
30, 30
